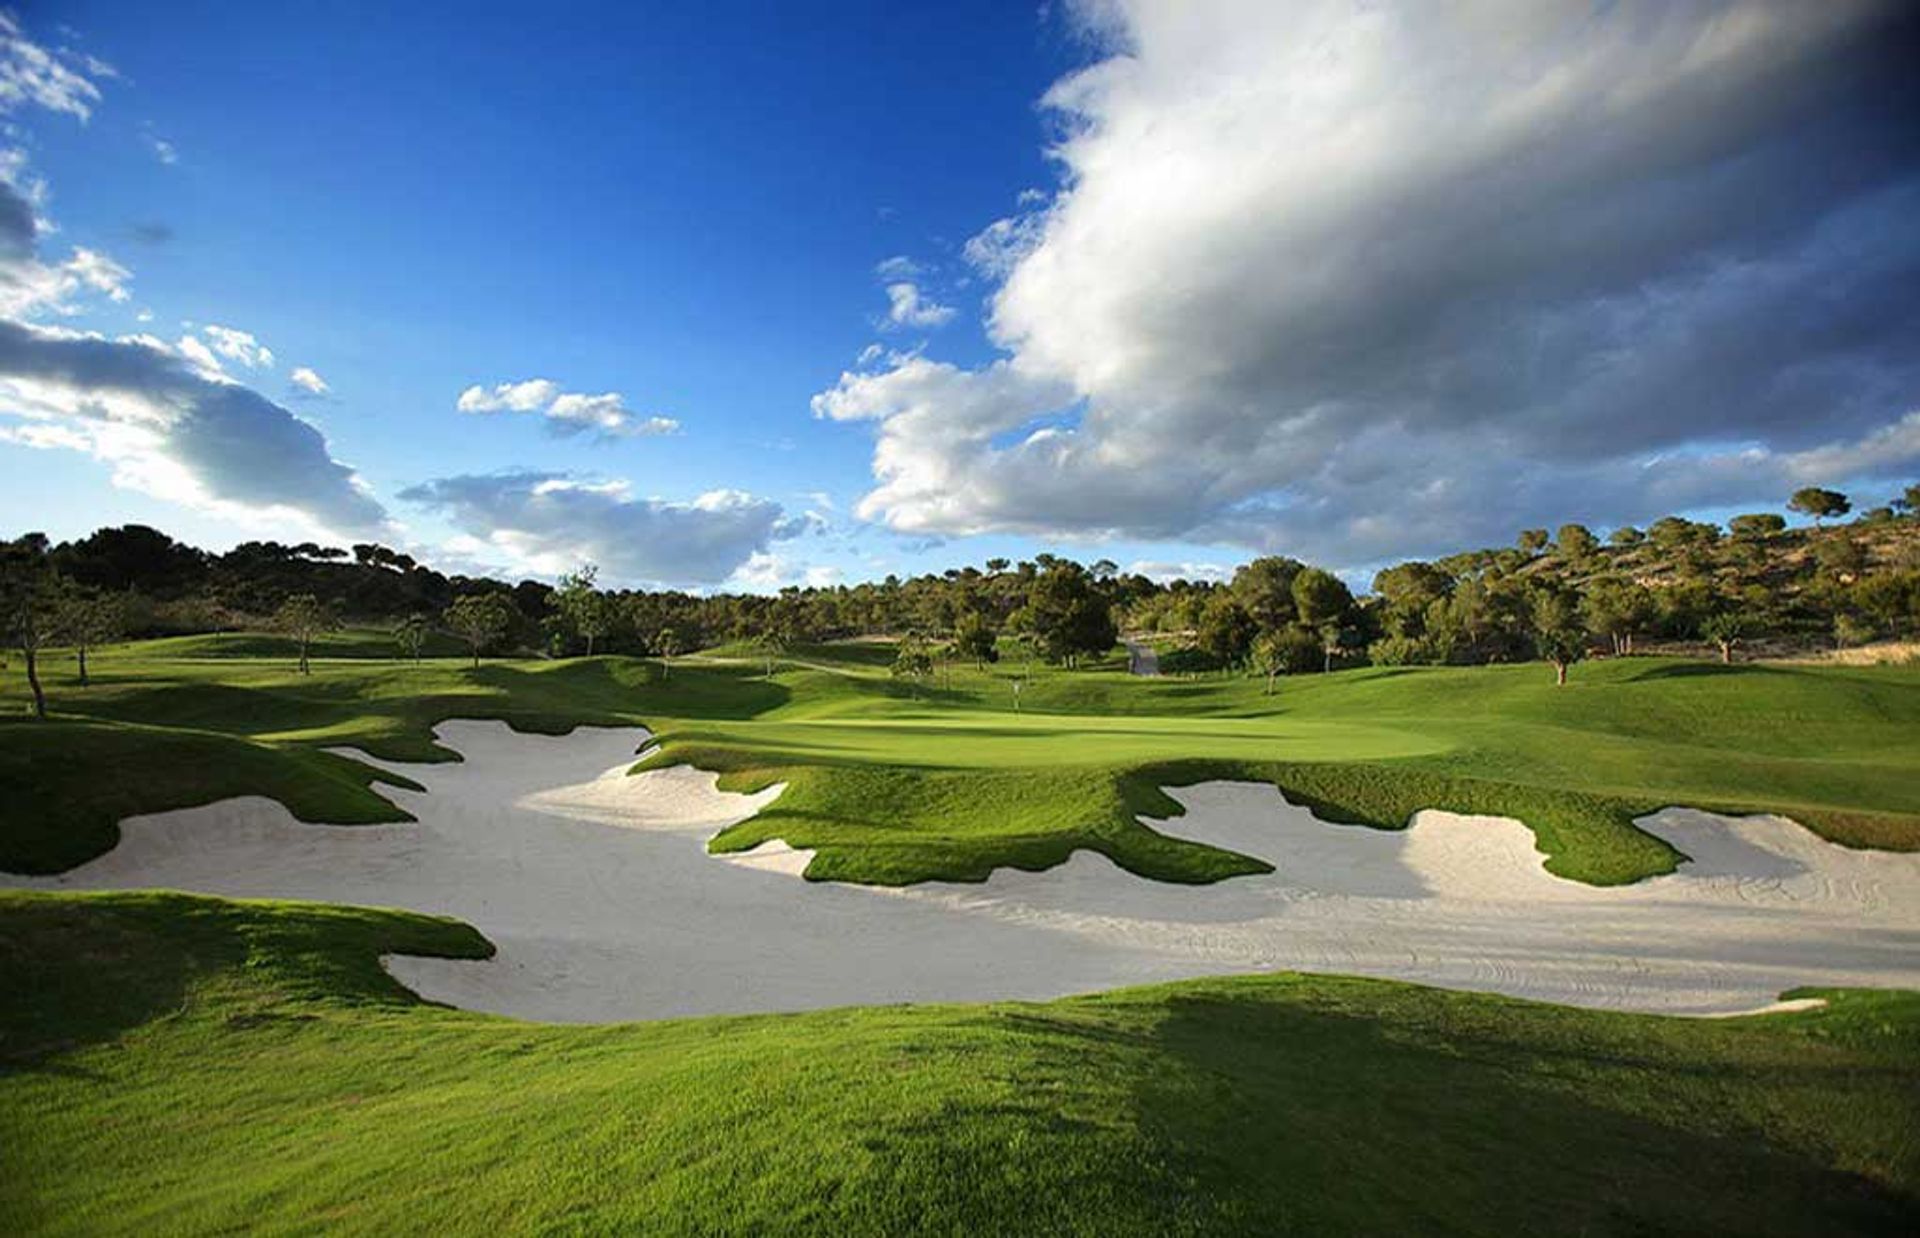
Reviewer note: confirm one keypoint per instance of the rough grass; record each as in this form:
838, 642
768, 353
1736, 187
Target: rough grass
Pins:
171, 1064
895, 783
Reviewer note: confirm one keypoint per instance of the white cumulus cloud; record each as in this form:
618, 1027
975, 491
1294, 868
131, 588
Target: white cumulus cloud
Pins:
308, 380
552, 522
907, 306
606, 415
1364, 280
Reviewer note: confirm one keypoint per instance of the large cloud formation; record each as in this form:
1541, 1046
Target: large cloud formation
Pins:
172, 429
552, 522
1364, 280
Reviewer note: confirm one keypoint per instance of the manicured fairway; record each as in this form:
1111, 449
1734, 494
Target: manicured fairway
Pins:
896, 783
178, 1064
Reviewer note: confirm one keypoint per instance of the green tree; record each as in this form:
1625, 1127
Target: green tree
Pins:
1576, 542
1272, 655
974, 637
1532, 541
411, 635
1558, 634
1068, 616
1840, 557
1756, 526
303, 616
771, 645
1407, 591
1626, 537
1320, 598
480, 619
585, 610
1724, 628
1265, 588
1819, 503
668, 643
93, 617
1617, 609
32, 606
912, 661
1226, 632
1892, 598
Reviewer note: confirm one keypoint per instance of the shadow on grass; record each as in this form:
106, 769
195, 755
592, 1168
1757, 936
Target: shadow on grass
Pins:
1339, 1111
83, 969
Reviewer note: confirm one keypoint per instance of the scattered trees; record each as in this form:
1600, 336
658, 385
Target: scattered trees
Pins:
480, 619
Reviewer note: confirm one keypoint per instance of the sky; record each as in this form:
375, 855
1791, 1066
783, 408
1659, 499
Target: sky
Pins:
736, 296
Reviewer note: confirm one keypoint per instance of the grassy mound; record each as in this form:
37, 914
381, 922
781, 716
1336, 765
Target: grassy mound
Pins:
893, 783
179, 1064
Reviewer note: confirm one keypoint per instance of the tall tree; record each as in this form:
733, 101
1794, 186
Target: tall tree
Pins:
974, 637
32, 605
1320, 598
582, 607
1557, 631
1265, 588
1068, 616
1226, 631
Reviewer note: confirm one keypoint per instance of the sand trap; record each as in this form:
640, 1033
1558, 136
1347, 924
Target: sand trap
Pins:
598, 891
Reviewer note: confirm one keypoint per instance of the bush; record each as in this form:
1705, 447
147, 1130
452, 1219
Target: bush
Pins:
1400, 651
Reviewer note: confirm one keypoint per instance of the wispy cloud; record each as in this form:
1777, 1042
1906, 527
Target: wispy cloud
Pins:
605, 415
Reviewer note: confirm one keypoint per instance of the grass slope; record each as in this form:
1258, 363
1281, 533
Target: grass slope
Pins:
896, 784
171, 1064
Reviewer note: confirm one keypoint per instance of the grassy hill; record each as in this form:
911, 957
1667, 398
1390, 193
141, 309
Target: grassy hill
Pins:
171, 1064
894, 782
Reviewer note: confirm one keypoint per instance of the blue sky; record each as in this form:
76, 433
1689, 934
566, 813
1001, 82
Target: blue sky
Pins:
1169, 284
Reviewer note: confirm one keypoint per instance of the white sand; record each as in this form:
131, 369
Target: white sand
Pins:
597, 889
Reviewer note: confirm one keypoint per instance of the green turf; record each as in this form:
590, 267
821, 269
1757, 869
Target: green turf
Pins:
891, 782
172, 1064
895, 782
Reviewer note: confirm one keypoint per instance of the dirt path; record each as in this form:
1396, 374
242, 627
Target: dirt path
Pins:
1141, 659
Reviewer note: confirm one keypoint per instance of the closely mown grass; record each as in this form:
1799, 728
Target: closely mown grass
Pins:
173, 1064
893, 782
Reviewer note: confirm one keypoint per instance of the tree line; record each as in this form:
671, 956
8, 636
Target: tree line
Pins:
1557, 596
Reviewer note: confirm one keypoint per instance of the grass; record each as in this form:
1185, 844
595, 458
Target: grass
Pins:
892, 783
173, 1064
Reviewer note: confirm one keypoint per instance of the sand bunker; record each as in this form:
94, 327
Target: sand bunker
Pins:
599, 893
